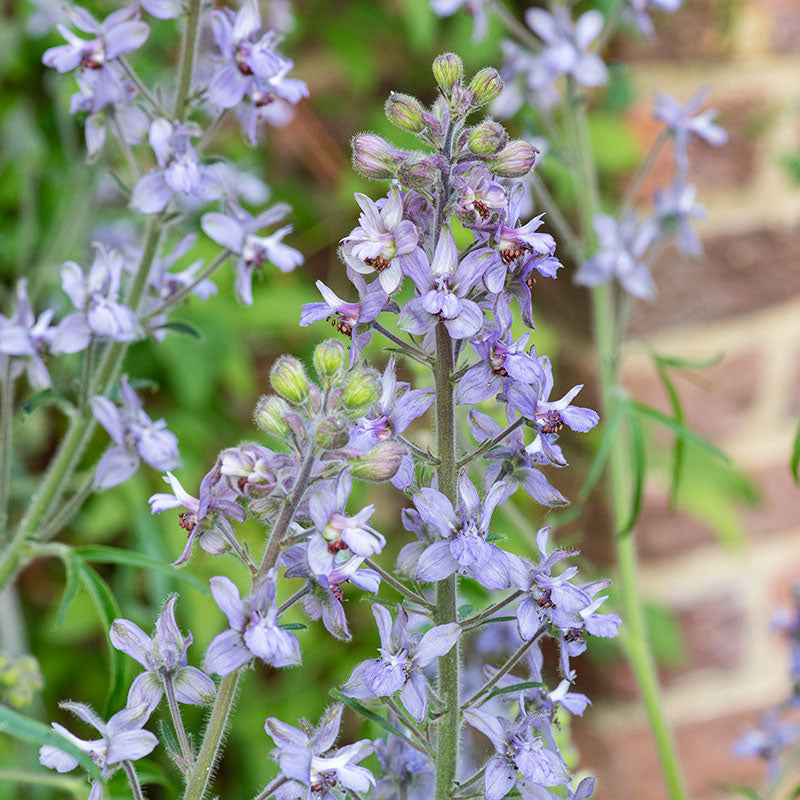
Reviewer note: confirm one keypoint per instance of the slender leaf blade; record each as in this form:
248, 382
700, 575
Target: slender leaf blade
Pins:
681, 430
516, 687
601, 455
794, 464
370, 715
638, 465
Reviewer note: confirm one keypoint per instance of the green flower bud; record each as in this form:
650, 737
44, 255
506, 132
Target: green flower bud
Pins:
514, 160
405, 111
486, 86
361, 392
374, 157
329, 358
378, 464
487, 138
288, 379
332, 432
448, 72
418, 172
20, 679
270, 415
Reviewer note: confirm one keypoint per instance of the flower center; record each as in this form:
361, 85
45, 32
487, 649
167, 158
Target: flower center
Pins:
187, 520
240, 60
379, 263
545, 600
552, 422
572, 635
513, 252
323, 782
92, 59
343, 327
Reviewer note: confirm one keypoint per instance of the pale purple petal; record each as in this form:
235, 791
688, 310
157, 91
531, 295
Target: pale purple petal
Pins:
229, 601
226, 653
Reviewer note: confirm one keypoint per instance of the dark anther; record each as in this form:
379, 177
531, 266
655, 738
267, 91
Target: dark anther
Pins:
480, 207
572, 635
337, 592
337, 545
379, 263
185, 521
343, 327
545, 601
552, 422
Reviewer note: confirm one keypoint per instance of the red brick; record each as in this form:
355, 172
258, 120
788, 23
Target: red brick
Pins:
778, 509
663, 533
783, 21
730, 282
626, 764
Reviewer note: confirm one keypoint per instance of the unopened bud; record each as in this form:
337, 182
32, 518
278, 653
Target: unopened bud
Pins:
332, 432
448, 70
270, 415
405, 111
378, 464
329, 357
487, 138
515, 160
418, 172
486, 86
20, 680
374, 157
288, 379
361, 392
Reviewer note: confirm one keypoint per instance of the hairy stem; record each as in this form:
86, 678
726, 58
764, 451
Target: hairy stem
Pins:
487, 445
607, 347
200, 775
446, 604
477, 619
133, 779
409, 349
270, 788
186, 63
399, 587
6, 416
177, 720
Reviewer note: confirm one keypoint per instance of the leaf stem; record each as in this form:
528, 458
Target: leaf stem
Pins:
6, 430
487, 445
177, 721
399, 587
133, 779
186, 62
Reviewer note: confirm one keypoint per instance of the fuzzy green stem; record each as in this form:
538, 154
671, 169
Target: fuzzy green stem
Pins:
177, 721
270, 788
133, 779
487, 445
397, 585
607, 347
446, 604
187, 57
198, 779
6, 417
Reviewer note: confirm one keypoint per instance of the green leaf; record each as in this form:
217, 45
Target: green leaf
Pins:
66, 783
71, 584
680, 430
464, 611
743, 791
516, 687
677, 413
108, 610
31, 730
293, 626
600, 457
794, 464
687, 363
46, 397
100, 554
371, 715
183, 327
638, 468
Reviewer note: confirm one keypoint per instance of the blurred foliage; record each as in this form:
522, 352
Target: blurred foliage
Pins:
351, 54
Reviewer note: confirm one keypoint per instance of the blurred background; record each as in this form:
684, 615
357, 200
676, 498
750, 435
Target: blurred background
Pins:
715, 566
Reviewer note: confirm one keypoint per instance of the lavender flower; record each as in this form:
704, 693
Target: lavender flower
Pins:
403, 657
442, 287
122, 739
327, 572
383, 242
567, 44
309, 772
237, 233
517, 750
463, 547
770, 742
637, 12
136, 438
119, 33
622, 246
179, 170
476, 8
341, 532
407, 772
95, 296
675, 208
164, 658
680, 120
254, 630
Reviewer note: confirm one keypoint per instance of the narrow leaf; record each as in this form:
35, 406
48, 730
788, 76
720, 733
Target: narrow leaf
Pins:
517, 687
687, 363
293, 626
108, 610
371, 715
681, 430
30, 730
100, 554
679, 448
183, 327
743, 791
46, 397
794, 464
600, 457
71, 584
638, 467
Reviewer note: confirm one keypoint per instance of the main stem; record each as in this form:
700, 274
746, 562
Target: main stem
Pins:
607, 346
6, 416
446, 608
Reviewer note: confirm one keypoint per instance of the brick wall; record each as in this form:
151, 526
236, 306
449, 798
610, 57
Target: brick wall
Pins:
742, 301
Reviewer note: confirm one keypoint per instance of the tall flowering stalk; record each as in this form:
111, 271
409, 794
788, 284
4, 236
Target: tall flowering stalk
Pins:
553, 67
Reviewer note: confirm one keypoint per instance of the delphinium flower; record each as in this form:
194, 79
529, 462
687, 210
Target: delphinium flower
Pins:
179, 172
518, 752
397, 407
309, 764
383, 242
254, 631
163, 657
407, 773
237, 232
250, 64
637, 12
404, 655
684, 122
463, 547
122, 740
770, 741
136, 437
96, 296
621, 248
205, 518
476, 8
567, 43
675, 207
